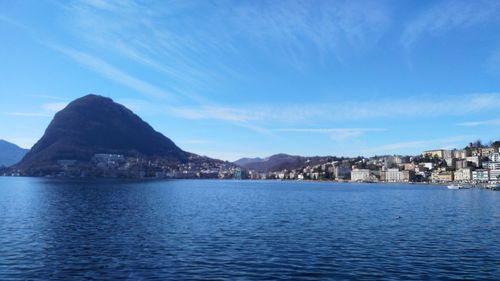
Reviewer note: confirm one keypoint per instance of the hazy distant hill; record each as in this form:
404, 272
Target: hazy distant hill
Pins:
280, 161
95, 124
10, 153
247, 161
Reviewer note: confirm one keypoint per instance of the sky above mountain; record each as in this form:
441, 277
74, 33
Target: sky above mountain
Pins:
231, 79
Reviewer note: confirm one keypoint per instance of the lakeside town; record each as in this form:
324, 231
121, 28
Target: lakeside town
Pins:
476, 164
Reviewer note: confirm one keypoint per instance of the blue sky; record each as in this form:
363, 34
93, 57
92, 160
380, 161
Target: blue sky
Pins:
231, 79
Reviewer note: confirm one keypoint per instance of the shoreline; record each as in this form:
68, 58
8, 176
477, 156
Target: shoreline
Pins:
139, 180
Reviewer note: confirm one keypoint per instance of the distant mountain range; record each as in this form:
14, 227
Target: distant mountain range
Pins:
10, 153
248, 161
94, 124
281, 161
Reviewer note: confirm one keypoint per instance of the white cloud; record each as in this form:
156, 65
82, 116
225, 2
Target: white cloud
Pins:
232, 115
112, 73
259, 118
149, 34
195, 141
335, 29
49, 97
27, 114
418, 145
192, 44
329, 130
54, 106
339, 134
216, 112
47, 110
424, 107
492, 122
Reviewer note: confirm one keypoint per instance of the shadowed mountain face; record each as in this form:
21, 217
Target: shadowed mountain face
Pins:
95, 124
10, 153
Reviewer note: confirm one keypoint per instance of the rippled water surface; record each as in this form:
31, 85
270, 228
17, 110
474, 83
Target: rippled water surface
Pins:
63, 230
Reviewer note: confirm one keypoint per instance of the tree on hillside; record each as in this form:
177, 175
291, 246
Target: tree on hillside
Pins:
478, 144
496, 144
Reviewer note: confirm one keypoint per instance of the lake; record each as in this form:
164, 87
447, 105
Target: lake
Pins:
245, 230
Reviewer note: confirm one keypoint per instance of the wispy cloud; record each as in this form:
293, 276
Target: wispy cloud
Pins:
149, 34
96, 64
418, 145
46, 110
107, 70
185, 51
230, 114
333, 28
13, 22
448, 15
54, 106
195, 141
339, 134
422, 107
26, 114
491, 122
49, 97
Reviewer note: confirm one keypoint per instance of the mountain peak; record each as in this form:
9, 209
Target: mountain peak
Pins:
96, 124
93, 99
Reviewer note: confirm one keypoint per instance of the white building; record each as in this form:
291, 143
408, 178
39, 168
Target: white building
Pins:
476, 160
448, 154
459, 154
463, 175
495, 175
394, 175
487, 151
495, 157
360, 175
429, 165
341, 170
481, 175
492, 165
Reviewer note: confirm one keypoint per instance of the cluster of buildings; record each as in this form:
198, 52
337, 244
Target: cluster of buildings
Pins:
474, 164
108, 165
470, 165
328, 170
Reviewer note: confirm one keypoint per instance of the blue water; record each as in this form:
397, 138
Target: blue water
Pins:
245, 230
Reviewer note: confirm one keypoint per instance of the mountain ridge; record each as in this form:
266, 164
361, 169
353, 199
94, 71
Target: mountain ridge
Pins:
280, 161
10, 153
